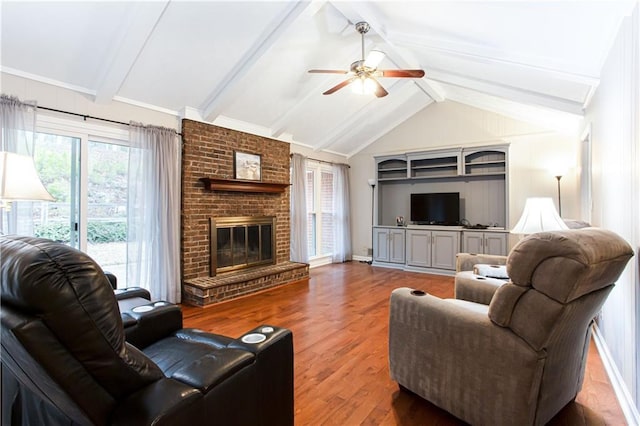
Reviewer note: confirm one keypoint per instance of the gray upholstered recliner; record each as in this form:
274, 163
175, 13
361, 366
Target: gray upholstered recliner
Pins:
520, 359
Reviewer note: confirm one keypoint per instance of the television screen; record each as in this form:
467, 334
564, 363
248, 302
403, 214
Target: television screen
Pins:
435, 208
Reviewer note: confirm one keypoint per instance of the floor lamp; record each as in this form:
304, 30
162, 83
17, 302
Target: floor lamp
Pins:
559, 201
372, 184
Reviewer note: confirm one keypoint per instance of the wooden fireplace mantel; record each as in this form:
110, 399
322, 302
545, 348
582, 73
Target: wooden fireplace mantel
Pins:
243, 185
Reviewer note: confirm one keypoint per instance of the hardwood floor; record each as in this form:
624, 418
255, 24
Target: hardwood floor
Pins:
339, 321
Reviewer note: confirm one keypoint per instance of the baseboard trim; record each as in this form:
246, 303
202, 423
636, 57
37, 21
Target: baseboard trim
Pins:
619, 386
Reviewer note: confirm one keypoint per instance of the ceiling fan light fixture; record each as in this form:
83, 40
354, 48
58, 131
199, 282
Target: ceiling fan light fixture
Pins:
373, 59
363, 86
363, 72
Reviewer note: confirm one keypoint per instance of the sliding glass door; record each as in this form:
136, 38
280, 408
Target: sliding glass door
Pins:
57, 163
107, 183
87, 174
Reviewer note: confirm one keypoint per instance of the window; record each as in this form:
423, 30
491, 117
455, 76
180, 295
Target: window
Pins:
85, 168
319, 194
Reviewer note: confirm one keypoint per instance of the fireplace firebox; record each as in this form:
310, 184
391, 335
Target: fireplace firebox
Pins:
241, 242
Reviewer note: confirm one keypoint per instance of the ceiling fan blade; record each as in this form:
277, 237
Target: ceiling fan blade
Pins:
328, 72
339, 86
373, 59
380, 91
402, 73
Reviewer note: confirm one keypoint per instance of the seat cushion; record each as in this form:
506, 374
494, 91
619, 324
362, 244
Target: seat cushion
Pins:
491, 271
475, 288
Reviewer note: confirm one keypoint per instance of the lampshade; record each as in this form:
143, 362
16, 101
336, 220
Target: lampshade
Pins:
539, 215
19, 179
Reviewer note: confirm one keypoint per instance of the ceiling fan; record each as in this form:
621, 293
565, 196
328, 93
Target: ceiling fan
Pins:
363, 73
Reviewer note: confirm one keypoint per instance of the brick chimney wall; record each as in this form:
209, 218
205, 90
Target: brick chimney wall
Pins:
208, 152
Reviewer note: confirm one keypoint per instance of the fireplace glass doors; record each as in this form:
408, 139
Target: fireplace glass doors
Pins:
242, 242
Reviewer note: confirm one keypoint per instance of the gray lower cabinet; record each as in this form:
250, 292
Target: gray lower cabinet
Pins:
388, 245
484, 242
432, 249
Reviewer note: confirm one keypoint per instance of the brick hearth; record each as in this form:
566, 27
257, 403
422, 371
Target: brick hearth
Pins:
208, 153
207, 290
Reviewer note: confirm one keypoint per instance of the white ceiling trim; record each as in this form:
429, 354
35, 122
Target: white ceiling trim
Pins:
507, 92
146, 105
46, 80
418, 41
131, 37
243, 126
219, 98
545, 118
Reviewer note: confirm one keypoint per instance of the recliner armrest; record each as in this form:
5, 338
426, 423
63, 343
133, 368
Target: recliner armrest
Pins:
465, 261
131, 292
213, 368
165, 402
161, 320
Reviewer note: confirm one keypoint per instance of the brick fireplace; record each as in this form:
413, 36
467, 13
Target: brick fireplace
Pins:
208, 152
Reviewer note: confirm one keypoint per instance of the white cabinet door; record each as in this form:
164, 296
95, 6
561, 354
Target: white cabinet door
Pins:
419, 248
388, 245
396, 245
445, 246
381, 244
484, 242
472, 242
495, 243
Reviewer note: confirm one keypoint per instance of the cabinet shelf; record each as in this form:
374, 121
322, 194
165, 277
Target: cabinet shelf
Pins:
479, 174
479, 163
393, 169
437, 166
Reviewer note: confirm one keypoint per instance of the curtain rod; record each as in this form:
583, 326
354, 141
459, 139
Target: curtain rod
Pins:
85, 116
324, 161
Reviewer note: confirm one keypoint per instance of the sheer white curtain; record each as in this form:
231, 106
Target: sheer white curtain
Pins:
342, 214
153, 248
299, 249
18, 126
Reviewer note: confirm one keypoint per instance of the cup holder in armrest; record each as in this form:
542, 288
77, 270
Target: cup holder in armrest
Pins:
253, 338
142, 309
260, 338
418, 293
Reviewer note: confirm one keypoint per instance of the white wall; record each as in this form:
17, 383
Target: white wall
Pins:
69, 100
614, 117
451, 124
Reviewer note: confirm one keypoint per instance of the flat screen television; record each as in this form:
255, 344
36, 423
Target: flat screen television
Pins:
436, 208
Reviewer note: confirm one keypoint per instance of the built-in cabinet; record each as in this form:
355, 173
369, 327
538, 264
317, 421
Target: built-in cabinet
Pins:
388, 245
484, 242
479, 174
432, 249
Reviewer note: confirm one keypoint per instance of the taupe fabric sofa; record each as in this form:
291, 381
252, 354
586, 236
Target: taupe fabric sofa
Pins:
521, 359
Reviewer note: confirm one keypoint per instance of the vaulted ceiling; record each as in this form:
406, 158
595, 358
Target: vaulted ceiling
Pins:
244, 64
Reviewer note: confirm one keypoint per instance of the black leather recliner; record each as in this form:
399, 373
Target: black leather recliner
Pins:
144, 320
65, 359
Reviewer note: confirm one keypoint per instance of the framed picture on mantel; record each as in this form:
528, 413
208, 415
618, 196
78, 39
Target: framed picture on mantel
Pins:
247, 166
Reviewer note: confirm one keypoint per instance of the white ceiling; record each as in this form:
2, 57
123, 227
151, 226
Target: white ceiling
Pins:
244, 64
